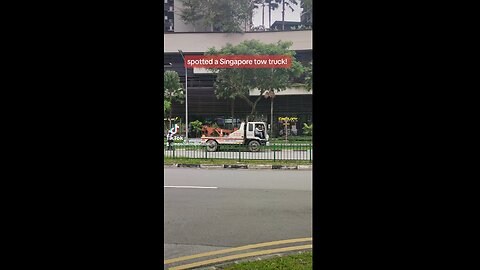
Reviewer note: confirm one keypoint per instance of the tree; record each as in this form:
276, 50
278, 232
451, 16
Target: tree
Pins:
308, 77
307, 129
166, 106
196, 126
272, 5
228, 86
289, 4
307, 8
219, 15
263, 14
237, 82
191, 12
172, 90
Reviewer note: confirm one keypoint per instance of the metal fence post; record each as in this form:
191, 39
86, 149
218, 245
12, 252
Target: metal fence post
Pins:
310, 153
173, 148
206, 152
274, 153
239, 154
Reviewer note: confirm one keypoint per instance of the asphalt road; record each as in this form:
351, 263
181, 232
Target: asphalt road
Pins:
212, 209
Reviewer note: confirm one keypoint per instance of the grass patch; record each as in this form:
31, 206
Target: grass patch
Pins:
302, 261
233, 161
292, 139
303, 146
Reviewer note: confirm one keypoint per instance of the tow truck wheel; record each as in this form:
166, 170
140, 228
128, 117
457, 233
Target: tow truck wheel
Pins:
254, 146
212, 146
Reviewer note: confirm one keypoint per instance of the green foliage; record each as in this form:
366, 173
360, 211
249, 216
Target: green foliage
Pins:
307, 5
196, 126
302, 261
307, 8
166, 106
218, 15
173, 90
191, 12
309, 77
307, 129
237, 82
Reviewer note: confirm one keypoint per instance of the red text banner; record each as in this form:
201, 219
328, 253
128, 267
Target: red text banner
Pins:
238, 61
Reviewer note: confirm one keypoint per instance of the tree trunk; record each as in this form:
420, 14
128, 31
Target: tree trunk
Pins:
271, 117
233, 108
269, 16
263, 15
248, 101
170, 113
254, 106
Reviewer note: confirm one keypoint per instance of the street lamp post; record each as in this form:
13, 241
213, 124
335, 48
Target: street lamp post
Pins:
186, 98
270, 94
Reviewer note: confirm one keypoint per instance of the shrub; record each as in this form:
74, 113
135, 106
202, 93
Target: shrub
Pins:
307, 129
196, 126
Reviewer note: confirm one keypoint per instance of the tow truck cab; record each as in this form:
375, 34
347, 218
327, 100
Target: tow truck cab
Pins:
251, 134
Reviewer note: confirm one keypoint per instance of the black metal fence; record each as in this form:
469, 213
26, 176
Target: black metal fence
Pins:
272, 152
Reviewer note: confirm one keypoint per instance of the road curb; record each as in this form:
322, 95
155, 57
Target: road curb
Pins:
235, 166
170, 165
240, 166
210, 166
260, 166
289, 167
189, 165
304, 167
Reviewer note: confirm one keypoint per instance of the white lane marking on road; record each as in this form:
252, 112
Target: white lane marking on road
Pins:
188, 187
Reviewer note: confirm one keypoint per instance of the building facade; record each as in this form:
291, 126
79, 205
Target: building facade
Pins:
168, 16
203, 105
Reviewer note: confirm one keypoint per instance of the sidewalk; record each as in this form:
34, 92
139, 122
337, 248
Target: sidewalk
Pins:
240, 166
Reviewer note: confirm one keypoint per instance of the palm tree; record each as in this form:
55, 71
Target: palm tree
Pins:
271, 6
288, 3
263, 14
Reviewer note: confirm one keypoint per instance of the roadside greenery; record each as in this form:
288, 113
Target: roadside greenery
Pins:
291, 139
302, 261
166, 107
237, 82
309, 77
196, 127
168, 161
172, 91
308, 129
218, 15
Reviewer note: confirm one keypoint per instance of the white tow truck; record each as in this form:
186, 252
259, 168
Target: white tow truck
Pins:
251, 134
